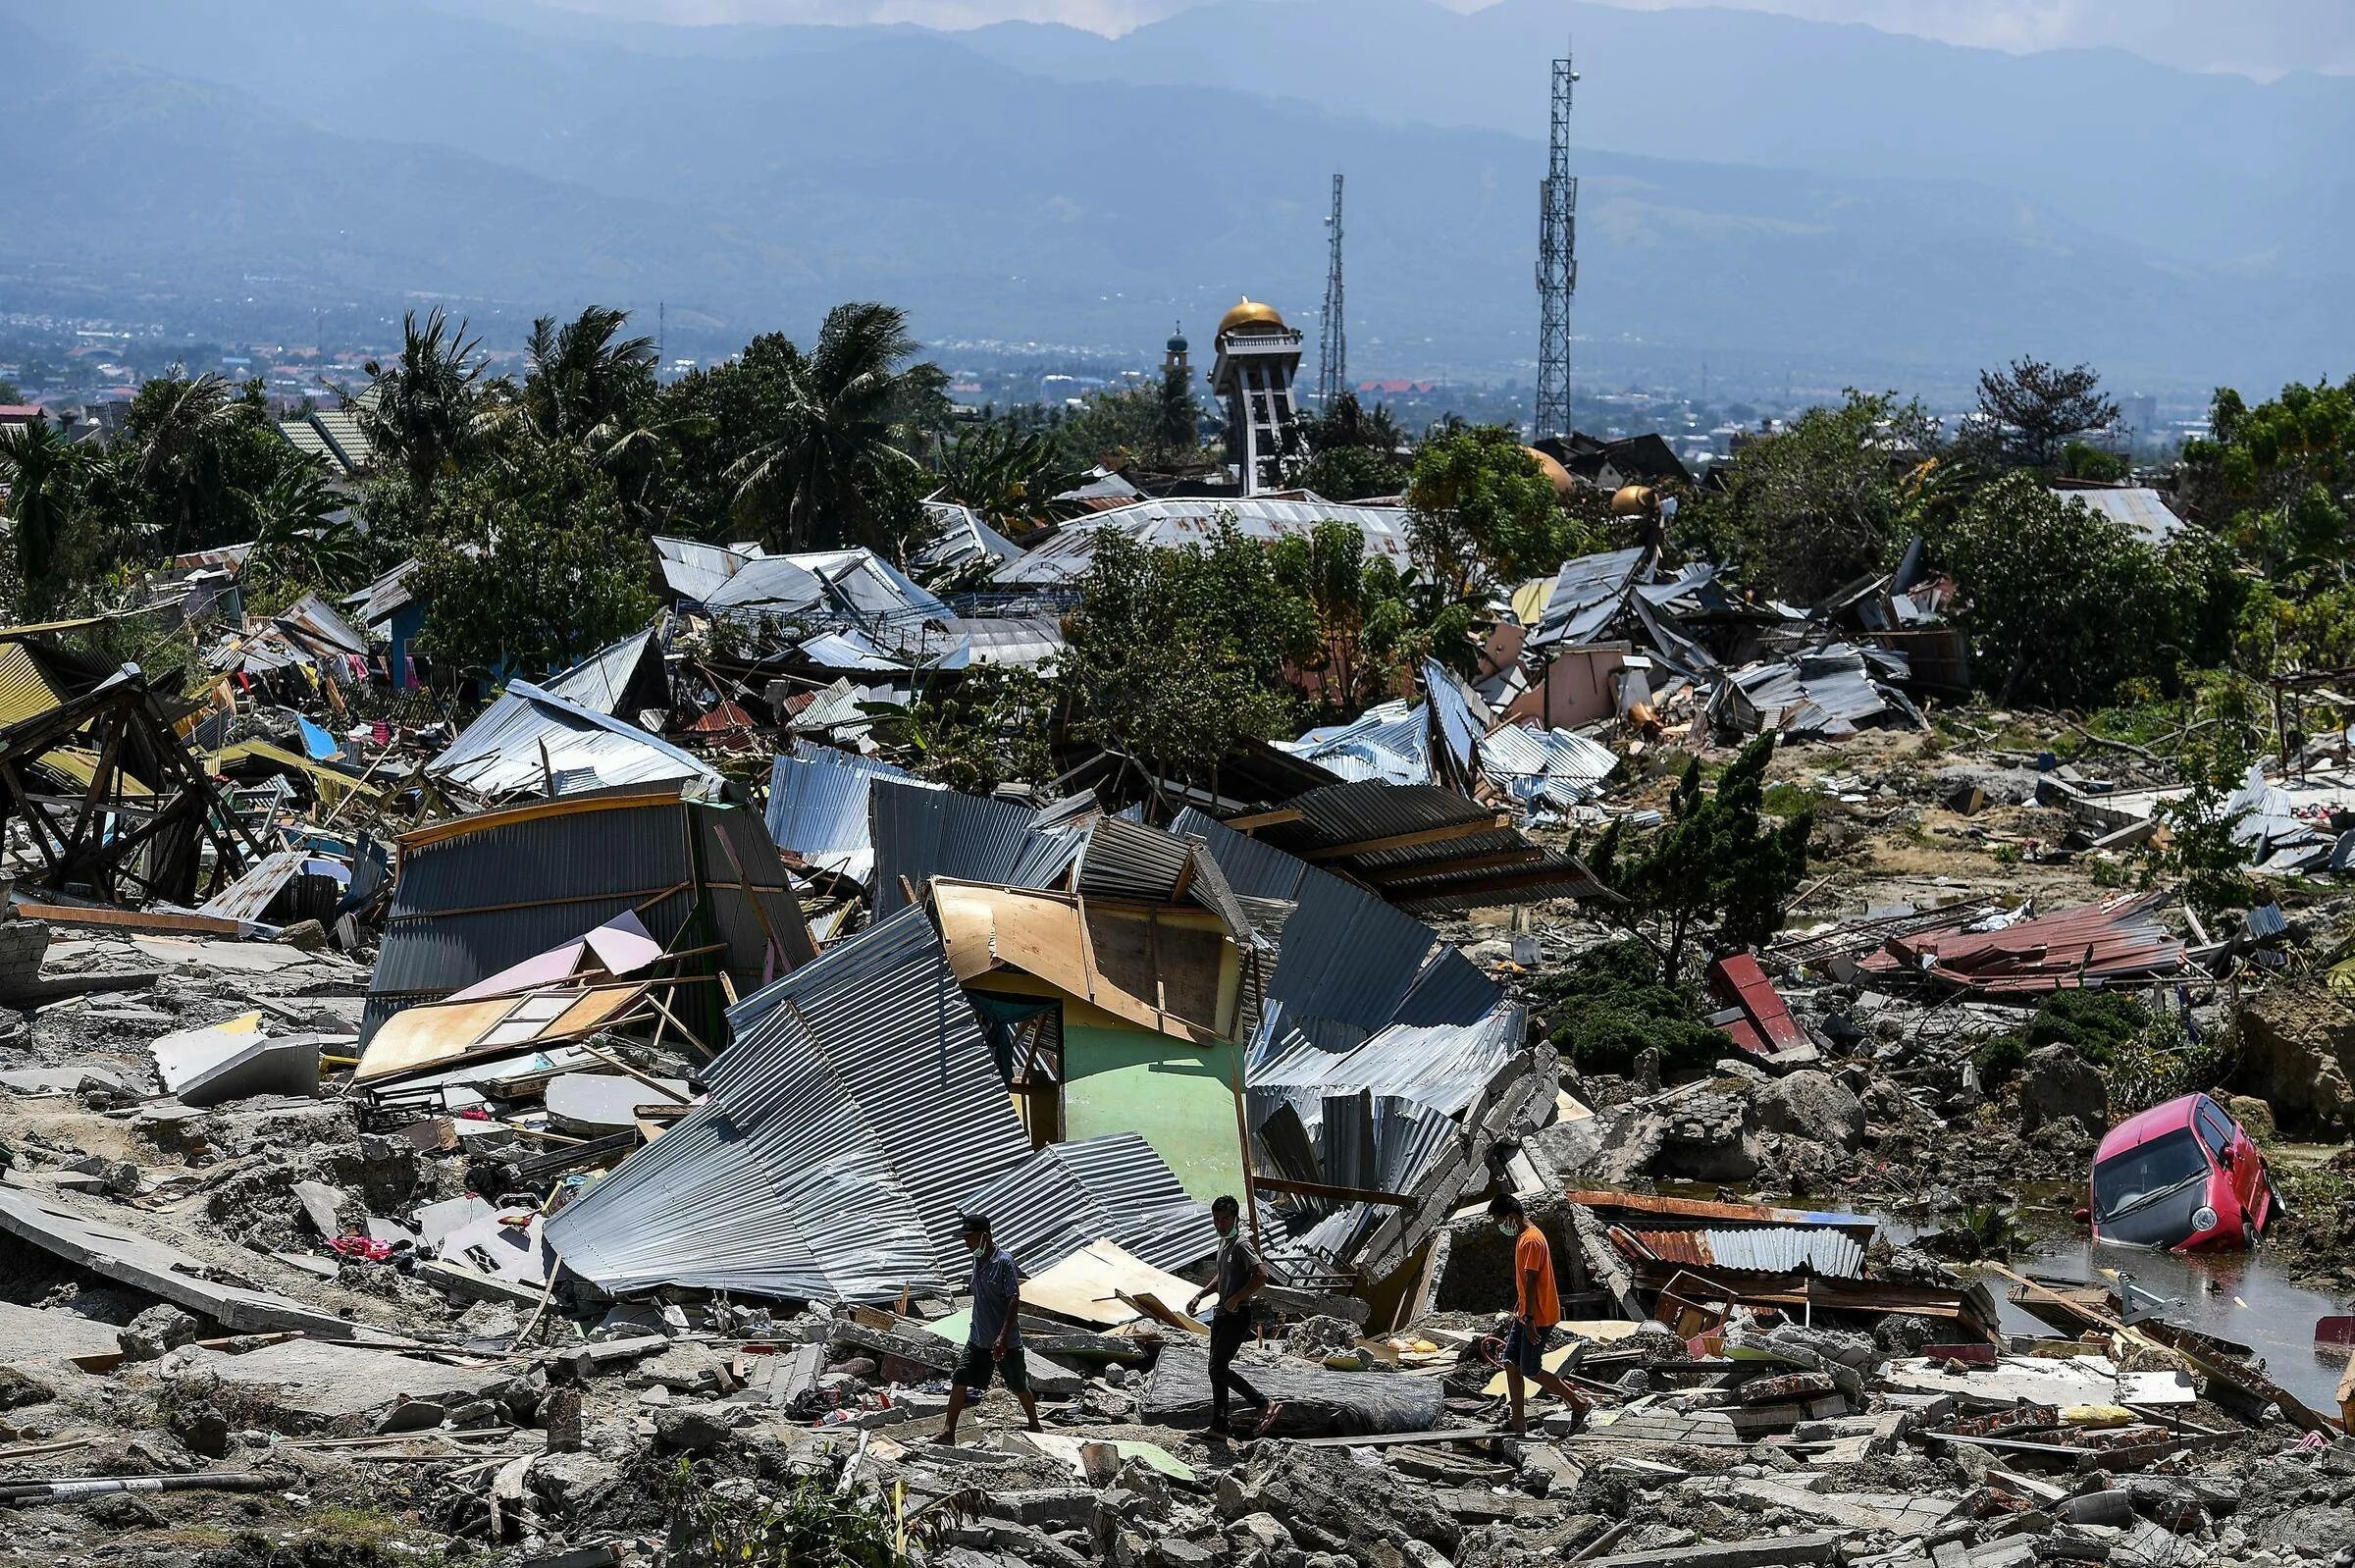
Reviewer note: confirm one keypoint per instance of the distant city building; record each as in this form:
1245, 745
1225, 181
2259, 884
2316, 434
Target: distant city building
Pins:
2138, 413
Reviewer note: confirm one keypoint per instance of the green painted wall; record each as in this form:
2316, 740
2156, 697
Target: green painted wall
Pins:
1181, 1097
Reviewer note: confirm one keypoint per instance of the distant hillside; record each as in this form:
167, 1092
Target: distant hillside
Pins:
757, 174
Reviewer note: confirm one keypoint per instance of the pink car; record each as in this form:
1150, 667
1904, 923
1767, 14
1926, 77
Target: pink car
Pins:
2180, 1176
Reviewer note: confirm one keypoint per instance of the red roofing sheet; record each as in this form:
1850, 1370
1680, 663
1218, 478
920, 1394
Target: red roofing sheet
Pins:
2116, 939
1738, 981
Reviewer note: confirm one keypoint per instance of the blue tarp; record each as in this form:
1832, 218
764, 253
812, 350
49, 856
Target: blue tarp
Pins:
317, 744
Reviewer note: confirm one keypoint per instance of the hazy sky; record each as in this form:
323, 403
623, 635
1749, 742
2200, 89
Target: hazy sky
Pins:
2258, 37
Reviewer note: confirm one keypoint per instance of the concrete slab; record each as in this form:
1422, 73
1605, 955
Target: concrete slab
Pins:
324, 1381
434, 1221
588, 1105
236, 1060
60, 1080
68, 1229
29, 1334
515, 1254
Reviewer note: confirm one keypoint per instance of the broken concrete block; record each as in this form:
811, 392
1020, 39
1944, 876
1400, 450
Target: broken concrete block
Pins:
153, 1333
692, 1429
412, 1415
323, 1206
237, 1060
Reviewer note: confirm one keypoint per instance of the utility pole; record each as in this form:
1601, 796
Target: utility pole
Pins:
1557, 264
1332, 354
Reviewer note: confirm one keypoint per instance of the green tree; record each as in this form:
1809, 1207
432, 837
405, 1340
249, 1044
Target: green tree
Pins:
1178, 421
2029, 409
42, 472
1177, 655
1354, 454
2078, 461
1129, 424
1719, 867
1820, 505
586, 380
303, 532
427, 411
1010, 475
2048, 584
857, 407
2278, 479
977, 728
11, 393
183, 429
1370, 624
530, 566
1483, 512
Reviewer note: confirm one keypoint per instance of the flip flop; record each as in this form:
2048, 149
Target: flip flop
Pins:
1267, 1421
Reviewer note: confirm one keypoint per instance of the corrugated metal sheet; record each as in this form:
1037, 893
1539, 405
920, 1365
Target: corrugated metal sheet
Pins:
2137, 508
25, 690
249, 895
2116, 939
922, 833
602, 682
509, 885
1347, 963
1587, 596
1779, 1250
1174, 522
529, 733
1442, 1066
844, 1131
818, 799
693, 570
1069, 1195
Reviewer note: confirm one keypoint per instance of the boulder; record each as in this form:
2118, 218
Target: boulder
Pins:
2298, 1051
1815, 1106
692, 1429
2057, 1084
18, 1388
155, 1332
2251, 1113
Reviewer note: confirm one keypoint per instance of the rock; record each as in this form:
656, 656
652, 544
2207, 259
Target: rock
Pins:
412, 1415
153, 1333
18, 1388
2251, 1113
1061, 1507
307, 936
1812, 1104
1262, 1531
573, 1482
692, 1429
1176, 1551
2298, 1050
323, 1206
2057, 1084
201, 1430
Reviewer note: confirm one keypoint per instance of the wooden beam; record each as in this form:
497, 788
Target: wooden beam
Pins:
1259, 819
1407, 840
1318, 1190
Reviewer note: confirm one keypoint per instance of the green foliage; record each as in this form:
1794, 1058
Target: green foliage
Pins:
1010, 475
851, 412
1153, 424
977, 728
2280, 479
2030, 409
530, 567
42, 473
2200, 852
1176, 657
1370, 622
806, 1523
2048, 582
1483, 512
304, 534
1601, 1014
428, 413
1354, 454
2081, 461
1822, 503
1716, 868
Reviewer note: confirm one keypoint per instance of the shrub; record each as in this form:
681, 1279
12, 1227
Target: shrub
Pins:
1601, 1017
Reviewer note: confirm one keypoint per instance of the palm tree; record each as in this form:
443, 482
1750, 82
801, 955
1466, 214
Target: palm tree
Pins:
857, 409
303, 529
586, 379
181, 425
1012, 477
426, 412
40, 469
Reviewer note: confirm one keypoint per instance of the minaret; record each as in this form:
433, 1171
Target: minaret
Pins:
1174, 362
1258, 358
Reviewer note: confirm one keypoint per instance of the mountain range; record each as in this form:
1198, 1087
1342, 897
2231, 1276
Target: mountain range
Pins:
1755, 190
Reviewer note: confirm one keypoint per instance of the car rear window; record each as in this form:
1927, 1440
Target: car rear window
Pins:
2123, 1181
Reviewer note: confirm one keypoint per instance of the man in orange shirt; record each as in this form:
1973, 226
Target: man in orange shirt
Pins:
1536, 1309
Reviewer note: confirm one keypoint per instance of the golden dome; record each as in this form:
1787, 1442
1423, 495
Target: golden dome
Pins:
1554, 471
1250, 313
1630, 500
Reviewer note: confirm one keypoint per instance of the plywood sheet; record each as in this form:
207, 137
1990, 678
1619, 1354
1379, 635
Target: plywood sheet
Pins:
1088, 1285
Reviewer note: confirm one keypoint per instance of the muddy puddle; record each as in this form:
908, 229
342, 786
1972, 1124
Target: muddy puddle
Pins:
2239, 1296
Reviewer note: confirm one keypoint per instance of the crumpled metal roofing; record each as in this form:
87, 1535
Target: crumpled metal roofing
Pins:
1588, 593
1389, 742
530, 733
1347, 963
603, 681
1445, 1065
818, 799
843, 1133
1378, 1144
1070, 1196
2115, 939
480, 895
2136, 507
920, 833
833, 587
1174, 522
1827, 691
1426, 878
961, 537
1558, 768
1777, 1249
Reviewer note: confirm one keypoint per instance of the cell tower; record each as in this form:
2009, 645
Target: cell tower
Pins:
1557, 264
1332, 354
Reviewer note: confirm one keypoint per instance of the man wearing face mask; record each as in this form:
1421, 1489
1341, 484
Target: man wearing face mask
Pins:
1537, 1308
1240, 1274
994, 1342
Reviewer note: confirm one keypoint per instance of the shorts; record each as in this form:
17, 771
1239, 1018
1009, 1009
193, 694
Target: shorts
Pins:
1525, 1348
978, 1366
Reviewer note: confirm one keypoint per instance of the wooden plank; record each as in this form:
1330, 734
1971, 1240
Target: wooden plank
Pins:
1319, 1189
1259, 819
131, 919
